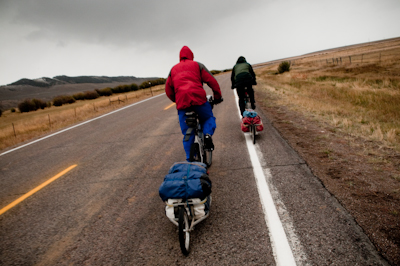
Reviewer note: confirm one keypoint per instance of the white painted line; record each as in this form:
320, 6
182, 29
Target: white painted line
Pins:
78, 125
280, 245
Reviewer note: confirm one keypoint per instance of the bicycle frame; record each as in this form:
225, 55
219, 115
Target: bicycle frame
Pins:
198, 150
194, 123
247, 103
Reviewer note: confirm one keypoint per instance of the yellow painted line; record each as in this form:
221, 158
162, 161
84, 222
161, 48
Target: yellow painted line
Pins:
169, 106
33, 191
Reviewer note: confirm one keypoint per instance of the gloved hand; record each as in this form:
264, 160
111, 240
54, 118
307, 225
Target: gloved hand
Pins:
217, 101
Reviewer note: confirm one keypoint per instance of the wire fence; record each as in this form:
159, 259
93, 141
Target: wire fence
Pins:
380, 52
40, 122
373, 57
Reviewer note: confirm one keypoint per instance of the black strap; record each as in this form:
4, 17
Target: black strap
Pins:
188, 133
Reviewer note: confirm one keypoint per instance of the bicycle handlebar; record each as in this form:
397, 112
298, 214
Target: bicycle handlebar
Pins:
213, 101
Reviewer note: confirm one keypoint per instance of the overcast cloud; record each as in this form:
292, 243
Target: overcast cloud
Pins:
45, 38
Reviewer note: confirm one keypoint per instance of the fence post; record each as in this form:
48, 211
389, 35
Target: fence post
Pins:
49, 121
15, 135
75, 112
362, 56
350, 59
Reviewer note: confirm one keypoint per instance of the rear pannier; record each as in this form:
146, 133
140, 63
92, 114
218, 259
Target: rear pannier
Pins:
250, 117
186, 180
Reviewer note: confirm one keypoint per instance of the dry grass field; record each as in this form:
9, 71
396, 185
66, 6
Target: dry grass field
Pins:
18, 127
361, 98
340, 109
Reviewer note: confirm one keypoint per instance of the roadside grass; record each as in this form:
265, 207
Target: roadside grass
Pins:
360, 99
20, 127
358, 104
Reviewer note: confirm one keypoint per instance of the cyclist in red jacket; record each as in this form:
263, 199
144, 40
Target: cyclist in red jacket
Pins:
184, 86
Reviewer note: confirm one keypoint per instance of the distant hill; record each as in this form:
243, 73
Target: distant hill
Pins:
58, 80
42, 82
95, 79
47, 88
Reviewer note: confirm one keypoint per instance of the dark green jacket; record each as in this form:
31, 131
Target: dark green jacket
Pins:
242, 74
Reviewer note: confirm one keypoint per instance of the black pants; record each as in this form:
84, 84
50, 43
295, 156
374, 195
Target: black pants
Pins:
241, 91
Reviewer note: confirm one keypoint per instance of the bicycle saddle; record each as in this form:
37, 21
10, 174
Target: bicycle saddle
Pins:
191, 119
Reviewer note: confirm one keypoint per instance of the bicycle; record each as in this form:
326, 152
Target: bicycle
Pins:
252, 127
198, 152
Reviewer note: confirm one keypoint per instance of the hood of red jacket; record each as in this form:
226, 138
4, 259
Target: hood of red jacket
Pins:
186, 53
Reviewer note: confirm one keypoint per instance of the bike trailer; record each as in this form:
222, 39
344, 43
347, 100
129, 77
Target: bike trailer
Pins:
186, 182
250, 117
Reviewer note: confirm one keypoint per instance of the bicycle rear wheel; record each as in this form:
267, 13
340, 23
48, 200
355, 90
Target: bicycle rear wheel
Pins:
184, 233
253, 133
207, 157
195, 152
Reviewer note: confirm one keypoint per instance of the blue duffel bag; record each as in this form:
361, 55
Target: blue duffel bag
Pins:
186, 180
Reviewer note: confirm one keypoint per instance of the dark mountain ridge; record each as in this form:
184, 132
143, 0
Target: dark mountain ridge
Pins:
47, 88
58, 80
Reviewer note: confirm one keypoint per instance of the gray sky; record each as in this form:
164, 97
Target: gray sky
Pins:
46, 38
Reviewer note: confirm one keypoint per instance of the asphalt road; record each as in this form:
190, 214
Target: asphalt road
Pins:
107, 211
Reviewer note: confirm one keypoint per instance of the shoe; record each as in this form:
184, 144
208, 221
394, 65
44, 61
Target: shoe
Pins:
253, 106
208, 143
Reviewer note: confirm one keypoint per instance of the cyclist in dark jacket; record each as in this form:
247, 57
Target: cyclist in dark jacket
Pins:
243, 77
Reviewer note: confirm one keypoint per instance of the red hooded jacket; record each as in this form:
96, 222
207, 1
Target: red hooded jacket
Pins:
185, 82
